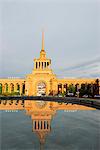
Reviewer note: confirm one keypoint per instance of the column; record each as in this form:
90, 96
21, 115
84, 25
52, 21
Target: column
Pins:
79, 86
46, 125
20, 88
2, 88
43, 124
44, 65
38, 65
15, 87
8, 88
65, 87
62, 88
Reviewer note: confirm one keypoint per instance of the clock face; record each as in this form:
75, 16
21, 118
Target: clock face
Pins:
41, 104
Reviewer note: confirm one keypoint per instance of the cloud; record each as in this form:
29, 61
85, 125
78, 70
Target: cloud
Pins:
71, 35
88, 64
90, 68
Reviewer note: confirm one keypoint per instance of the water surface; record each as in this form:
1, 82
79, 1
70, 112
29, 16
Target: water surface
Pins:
70, 130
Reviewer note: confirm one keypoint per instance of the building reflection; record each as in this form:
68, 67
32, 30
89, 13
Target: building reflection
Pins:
42, 114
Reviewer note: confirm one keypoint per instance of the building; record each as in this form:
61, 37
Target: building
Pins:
42, 80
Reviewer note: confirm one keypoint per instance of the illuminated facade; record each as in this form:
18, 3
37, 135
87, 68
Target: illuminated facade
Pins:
42, 80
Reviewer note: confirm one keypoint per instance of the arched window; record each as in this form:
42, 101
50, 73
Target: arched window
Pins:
77, 87
18, 88
42, 64
41, 124
45, 64
0, 88
71, 88
35, 125
59, 88
23, 88
39, 64
36, 65
65, 87
44, 124
6, 87
12, 87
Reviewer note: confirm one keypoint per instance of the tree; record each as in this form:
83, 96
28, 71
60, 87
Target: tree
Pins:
89, 90
71, 89
97, 87
82, 90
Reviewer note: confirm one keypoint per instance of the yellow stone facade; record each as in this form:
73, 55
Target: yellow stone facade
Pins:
41, 80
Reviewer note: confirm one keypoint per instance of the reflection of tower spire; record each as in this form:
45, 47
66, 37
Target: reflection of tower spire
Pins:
42, 40
41, 146
42, 138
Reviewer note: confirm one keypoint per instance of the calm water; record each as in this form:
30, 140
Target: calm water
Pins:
79, 130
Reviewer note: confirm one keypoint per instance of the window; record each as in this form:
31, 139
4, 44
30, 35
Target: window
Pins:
36, 65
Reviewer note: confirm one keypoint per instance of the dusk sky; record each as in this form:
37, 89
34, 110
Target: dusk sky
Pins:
72, 36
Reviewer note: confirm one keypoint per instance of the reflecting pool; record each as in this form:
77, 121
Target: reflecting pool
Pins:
50, 126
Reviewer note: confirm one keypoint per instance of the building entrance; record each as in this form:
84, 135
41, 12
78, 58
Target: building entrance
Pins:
41, 89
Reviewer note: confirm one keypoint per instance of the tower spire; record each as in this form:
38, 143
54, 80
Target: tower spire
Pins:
42, 40
42, 52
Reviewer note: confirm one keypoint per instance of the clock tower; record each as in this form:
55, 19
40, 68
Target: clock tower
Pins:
40, 82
